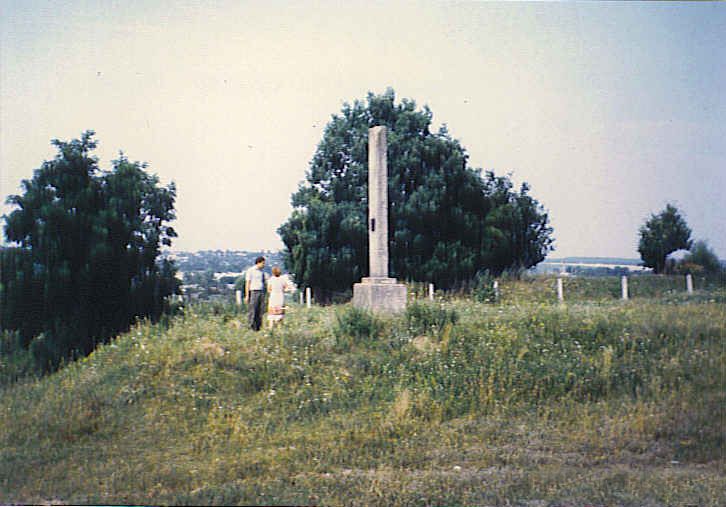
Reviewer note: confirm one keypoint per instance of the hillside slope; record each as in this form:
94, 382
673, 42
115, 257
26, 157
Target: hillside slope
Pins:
454, 403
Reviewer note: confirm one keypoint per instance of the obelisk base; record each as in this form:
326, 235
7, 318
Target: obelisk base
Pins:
381, 295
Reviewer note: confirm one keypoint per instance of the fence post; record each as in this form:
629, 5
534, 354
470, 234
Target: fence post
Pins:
624, 287
689, 283
560, 291
302, 298
496, 290
238, 297
431, 291
308, 297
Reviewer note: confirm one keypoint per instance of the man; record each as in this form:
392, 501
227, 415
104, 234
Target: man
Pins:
255, 285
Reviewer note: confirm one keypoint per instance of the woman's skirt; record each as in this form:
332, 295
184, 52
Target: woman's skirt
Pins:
275, 313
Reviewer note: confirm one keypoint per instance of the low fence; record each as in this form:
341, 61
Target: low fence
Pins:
537, 289
583, 288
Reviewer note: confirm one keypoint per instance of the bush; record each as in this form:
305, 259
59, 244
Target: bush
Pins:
47, 353
423, 318
16, 361
482, 287
223, 308
701, 260
355, 325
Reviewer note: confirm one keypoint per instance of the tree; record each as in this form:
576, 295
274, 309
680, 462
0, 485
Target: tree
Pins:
662, 234
446, 221
704, 259
88, 241
518, 231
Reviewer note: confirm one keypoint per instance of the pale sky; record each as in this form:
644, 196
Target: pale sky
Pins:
609, 110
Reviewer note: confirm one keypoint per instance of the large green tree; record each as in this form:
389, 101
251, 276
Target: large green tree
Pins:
446, 220
85, 265
661, 235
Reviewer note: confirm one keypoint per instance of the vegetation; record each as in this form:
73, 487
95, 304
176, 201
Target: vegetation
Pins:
446, 220
199, 271
597, 290
661, 235
85, 265
222, 261
701, 260
456, 402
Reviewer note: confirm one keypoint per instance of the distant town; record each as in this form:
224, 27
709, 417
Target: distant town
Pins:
592, 266
215, 275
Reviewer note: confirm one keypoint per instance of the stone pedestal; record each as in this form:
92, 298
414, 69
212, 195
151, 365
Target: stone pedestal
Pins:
380, 295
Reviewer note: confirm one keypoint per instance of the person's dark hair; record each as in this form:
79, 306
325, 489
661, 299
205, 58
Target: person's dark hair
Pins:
259, 259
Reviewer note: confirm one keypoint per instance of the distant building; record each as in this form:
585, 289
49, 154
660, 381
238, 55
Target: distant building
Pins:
673, 259
677, 256
596, 266
231, 274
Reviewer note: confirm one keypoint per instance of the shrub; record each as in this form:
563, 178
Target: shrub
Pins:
355, 325
426, 317
482, 287
16, 361
47, 353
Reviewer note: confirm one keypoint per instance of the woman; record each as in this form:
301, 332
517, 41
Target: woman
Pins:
276, 287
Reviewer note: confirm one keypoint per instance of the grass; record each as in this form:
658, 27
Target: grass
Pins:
526, 402
542, 289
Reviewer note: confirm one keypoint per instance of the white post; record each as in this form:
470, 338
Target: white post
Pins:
308, 297
238, 297
302, 298
560, 291
431, 291
624, 287
496, 289
689, 283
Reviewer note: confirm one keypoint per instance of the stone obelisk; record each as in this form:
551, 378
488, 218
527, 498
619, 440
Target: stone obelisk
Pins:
378, 292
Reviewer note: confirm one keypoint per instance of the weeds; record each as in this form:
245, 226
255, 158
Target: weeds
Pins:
354, 326
459, 402
429, 318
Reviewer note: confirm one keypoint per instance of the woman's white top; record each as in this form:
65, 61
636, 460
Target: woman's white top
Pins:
277, 288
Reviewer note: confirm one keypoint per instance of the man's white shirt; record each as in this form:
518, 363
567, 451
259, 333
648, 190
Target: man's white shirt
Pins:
255, 278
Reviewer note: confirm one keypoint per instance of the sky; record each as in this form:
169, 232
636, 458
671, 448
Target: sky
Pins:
608, 110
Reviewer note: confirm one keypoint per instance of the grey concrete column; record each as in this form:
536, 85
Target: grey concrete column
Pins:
378, 202
377, 292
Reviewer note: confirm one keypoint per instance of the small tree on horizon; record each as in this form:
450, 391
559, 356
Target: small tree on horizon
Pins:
661, 235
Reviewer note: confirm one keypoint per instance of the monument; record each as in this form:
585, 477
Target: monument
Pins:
378, 292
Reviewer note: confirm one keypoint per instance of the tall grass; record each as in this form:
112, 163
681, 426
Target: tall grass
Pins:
453, 402
542, 289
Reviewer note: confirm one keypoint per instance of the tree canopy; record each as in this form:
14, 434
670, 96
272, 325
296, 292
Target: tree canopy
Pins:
702, 260
446, 221
85, 261
661, 235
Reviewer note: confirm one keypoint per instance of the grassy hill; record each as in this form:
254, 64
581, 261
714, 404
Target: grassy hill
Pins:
523, 402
